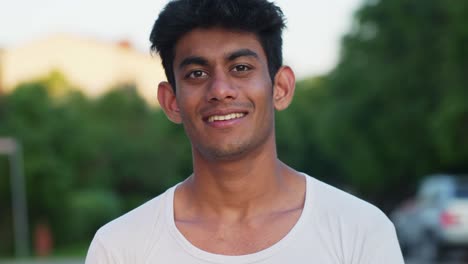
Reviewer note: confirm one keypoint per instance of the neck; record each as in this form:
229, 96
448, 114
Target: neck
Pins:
238, 187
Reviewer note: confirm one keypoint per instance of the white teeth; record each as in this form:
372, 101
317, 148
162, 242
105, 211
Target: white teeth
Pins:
225, 117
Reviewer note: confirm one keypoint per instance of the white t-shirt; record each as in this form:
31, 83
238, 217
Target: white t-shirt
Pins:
334, 228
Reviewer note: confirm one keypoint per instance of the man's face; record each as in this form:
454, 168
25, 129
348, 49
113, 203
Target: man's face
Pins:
224, 92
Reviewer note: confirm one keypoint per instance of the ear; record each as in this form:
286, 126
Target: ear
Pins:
283, 91
167, 101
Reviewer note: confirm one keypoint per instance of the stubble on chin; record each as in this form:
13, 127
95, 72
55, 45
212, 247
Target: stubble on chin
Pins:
228, 152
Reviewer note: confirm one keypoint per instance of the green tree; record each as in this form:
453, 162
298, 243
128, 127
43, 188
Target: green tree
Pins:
397, 110
87, 161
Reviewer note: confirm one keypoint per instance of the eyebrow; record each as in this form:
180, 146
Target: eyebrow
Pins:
242, 53
193, 60
204, 62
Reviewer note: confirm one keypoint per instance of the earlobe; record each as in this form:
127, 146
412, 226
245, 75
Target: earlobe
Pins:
167, 101
285, 83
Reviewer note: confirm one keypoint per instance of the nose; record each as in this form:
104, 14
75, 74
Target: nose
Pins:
221, 88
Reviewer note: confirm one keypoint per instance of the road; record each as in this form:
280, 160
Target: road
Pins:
43, 261
456, 257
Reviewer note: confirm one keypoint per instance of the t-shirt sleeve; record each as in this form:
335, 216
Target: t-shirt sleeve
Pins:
382, 247
97, 254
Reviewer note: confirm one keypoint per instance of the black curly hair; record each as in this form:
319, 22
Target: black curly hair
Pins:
263, 18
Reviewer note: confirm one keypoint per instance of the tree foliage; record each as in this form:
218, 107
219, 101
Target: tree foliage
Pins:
396, 107
87, 161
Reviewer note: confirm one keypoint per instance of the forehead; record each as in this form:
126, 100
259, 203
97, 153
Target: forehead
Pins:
216, 43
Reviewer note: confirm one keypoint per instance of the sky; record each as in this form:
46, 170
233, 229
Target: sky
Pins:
311, 41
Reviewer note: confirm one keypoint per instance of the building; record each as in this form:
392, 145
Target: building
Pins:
92, 65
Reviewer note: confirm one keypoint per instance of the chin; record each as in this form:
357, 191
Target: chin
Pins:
230, 152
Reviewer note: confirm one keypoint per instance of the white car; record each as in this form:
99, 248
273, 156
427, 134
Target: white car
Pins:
436, 220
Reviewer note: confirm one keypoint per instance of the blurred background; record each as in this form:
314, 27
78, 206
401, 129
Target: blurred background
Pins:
380, 110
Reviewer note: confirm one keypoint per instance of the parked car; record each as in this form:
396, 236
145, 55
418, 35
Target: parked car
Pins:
436, 220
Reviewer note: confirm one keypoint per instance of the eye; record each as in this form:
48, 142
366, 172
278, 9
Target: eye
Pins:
197, 74
241, 68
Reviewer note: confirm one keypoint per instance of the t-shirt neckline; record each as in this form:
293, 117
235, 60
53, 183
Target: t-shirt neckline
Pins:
238, 259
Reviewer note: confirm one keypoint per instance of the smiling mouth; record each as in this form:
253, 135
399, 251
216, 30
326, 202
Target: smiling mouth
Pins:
231, 116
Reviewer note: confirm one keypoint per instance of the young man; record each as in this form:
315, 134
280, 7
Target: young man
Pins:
242, 204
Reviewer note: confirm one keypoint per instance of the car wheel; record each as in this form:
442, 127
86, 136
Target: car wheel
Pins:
426, 251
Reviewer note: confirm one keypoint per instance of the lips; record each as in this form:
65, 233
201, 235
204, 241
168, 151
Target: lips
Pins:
226, 117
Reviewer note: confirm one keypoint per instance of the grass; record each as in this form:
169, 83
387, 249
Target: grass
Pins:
75, 251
